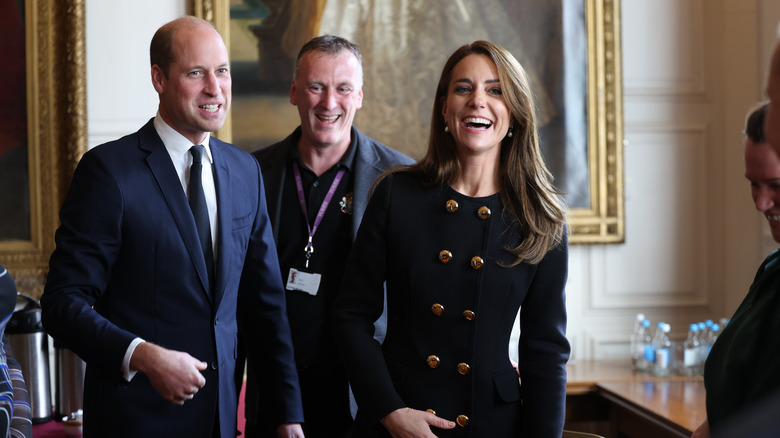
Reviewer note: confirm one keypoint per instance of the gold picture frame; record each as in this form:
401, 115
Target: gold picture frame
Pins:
56, 126
602, 220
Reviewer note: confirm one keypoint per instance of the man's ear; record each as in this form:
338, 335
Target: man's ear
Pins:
360, 99
158, 79
292, 93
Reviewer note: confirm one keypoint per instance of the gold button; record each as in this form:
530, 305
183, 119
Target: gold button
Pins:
469, 315
445, 256
430, 411
483, 212
437, 309
451, 206
463, 368
476, 262
462, 420
433, 361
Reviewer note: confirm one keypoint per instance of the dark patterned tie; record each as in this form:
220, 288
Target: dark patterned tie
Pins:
197, 200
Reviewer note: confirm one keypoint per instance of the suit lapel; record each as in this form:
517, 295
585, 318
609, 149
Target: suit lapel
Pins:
366, 171
224, 208
160, 164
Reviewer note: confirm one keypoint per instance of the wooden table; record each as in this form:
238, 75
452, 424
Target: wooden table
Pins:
656, 408
633, 404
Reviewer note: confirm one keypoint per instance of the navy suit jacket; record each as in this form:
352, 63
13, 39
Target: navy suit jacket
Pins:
128, 264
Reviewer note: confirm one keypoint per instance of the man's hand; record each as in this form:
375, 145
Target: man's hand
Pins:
174, 374
291, 430
411, 423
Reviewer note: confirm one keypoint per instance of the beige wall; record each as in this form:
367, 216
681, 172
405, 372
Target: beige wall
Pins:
692, 69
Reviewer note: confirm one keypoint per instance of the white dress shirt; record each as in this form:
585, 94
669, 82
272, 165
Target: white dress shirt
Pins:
178, 148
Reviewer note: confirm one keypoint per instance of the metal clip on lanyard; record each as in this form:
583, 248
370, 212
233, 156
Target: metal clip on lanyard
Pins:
309, 249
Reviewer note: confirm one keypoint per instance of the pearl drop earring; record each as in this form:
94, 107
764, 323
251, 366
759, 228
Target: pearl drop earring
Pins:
446, 128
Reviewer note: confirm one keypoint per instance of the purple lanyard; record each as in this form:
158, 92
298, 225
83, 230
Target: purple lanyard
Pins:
325, 202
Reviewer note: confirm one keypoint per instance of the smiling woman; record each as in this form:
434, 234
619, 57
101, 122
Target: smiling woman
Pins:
476, 115
486, 219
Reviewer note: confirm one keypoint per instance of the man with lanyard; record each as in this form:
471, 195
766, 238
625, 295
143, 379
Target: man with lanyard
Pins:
317, 182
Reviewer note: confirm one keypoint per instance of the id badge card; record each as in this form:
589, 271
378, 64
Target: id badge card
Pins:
302, 281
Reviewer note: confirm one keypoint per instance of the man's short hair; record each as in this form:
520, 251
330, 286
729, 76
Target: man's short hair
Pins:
332, 45
161, 49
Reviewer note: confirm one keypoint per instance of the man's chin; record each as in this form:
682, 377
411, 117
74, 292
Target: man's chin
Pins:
326, 141
213, 125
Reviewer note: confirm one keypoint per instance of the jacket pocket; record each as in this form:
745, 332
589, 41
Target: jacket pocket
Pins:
242, 222
507, 385
397, 371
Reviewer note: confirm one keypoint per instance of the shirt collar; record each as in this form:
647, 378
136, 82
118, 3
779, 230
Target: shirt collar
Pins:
176, 144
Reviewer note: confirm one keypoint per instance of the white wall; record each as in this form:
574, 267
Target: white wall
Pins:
120, 97
692, 69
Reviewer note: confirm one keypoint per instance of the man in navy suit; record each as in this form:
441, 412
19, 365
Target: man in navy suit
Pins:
134, 291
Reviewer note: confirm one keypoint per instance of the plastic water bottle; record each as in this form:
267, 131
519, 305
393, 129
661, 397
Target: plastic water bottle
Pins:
692, 352
712, 336
645, 348
650, 348
706, 333
663, 350
636, 335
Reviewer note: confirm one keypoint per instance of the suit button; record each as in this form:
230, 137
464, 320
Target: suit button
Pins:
437, 309
433, 361
445, 256
483, 213
477, 262
430, 411
462, 420
463, 368
451, 206
214, 365
216, 321
469, 315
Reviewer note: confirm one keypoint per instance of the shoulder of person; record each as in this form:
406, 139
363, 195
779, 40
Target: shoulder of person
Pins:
402, 182
275, 151
385, 152
120, 150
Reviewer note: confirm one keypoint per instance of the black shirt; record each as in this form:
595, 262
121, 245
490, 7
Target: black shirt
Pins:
310, 316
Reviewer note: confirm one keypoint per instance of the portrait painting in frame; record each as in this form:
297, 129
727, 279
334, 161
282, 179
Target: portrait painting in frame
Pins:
44, 130
569, 48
